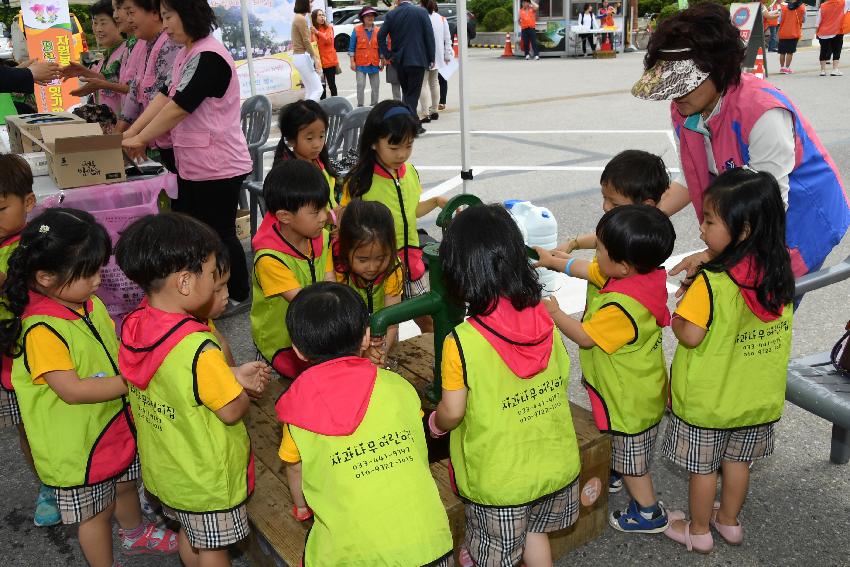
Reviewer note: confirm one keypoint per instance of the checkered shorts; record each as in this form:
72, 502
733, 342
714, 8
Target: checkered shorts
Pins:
79, 504
10, 412
414, 288
495, 536
212, 530
631, 454
700, 450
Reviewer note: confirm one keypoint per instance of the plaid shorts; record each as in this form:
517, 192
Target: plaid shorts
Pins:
212, 530
79, 504
495, 536
700, 450
414, 288
631, 454
10, 412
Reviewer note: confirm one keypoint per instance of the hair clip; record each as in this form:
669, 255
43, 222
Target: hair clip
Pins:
43, 228
397, 111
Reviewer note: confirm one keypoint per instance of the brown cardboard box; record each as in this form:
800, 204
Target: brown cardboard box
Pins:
32, 124
80, 155
243, 224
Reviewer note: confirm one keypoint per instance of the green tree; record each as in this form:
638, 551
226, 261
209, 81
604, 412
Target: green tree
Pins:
497, 19
483, 7
230, 22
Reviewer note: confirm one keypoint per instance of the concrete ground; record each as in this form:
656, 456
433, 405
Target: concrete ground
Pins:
543, 131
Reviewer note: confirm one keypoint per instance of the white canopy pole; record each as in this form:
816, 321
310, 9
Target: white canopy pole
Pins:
463, 41
246, 32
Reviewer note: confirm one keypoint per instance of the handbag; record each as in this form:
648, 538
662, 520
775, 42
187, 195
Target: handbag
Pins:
840, 355
338, 70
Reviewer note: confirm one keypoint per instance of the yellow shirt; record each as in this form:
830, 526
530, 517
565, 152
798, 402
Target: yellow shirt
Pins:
452, 366
275, 278
393, 284
696, 304
610, 327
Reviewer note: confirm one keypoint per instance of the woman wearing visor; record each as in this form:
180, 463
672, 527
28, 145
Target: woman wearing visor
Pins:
724, 119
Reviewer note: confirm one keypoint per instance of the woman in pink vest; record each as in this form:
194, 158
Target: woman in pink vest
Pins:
724, 119
200, 111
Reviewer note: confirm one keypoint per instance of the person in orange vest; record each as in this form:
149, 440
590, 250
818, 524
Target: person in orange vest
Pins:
606, 18
790, 29
771, 10
323, 35
528, 28
830, 33
365, 60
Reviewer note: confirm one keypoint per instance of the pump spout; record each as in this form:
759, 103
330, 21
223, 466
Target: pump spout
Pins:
425, 304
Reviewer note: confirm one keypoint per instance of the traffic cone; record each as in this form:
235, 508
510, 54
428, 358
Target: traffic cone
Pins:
759, 69
455, 46
509, 50
606, 45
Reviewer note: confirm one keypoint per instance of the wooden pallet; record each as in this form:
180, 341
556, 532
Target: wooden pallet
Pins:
277, 540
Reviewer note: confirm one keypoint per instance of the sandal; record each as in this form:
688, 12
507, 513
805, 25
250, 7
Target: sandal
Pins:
441, 107
153, 540
701, 543
302, 517
732, 535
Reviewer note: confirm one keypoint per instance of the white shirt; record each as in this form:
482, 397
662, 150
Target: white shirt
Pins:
588, 21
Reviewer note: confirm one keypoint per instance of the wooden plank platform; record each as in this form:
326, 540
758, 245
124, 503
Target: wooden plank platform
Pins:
277, 539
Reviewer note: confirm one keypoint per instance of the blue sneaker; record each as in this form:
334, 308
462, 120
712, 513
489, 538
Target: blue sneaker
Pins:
633, 520
46, 510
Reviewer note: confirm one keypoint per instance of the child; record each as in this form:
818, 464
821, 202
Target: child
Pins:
733, 322
514, 454
184, 395
361, 448
303, 127
367, 262
16, 202
384, 175
363, 53
620, 338
291, 252
66, 378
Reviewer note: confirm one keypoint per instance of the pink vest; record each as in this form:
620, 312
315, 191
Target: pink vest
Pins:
147, 80
111, 99
208, 143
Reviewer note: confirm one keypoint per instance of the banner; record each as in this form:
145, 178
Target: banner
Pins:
47, 25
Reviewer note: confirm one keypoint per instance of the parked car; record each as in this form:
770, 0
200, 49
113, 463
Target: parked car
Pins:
343, 30
79, 45
449, 11
343, 13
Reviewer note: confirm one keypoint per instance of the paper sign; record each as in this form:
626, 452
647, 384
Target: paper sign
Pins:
449, 69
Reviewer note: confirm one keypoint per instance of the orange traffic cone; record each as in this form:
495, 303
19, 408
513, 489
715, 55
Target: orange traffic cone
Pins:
759, 69
509, 49
606, 45
455, 46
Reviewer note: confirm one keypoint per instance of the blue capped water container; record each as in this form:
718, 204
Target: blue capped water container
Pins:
539, 228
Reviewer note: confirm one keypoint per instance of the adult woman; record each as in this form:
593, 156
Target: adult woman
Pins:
160, 52
201, 112
305, 59
587, 22
443, 54
364, 58
830, 33
725, 119
323, 35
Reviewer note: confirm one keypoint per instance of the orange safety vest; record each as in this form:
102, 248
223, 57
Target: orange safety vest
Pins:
527, 18
831, 18
770, 22
608, 18
366, 50
324, 39
791, 24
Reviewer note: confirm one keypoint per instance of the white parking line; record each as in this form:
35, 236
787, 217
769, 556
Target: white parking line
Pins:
457, 132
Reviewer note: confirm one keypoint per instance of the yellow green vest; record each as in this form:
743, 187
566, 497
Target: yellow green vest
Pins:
332, 184
6, 249
268, 314
516, 442
373, 295
76, 444
401, 197
736, 376
632, 382
191, 460
372, 493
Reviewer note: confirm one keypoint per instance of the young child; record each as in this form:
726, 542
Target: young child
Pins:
16, 202
303, 128
383, 174
734, 321
620, 338
354, 432
183, 393
291, 252
66, 378
367, 262
514, 454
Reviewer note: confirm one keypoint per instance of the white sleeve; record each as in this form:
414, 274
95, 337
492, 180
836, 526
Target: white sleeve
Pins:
817, 21
846, 6
680, 176
772, 146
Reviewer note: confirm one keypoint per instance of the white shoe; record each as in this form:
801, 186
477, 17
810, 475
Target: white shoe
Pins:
537, 58
823, 73
527, 57
837, 73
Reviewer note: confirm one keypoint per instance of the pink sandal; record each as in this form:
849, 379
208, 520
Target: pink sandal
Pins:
153, 540
701, 543
732, 535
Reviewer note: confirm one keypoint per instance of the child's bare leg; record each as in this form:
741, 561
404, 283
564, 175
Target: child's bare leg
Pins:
95, 536
188, 554
128, 510
703, 488
425, 323
733, 492
537, 552
641, 489
214, 558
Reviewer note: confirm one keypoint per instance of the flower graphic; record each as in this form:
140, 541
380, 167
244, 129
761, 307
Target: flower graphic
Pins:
45, 14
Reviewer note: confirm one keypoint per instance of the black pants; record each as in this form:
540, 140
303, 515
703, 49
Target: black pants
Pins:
330, 82
585, 39
166, 158
831, 48
410, 79
444, 88
529, 38
214, 203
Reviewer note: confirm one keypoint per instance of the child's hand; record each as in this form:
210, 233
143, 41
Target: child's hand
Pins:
550, 258
441, 201
376, 355
254, 377
569, 245
551, 305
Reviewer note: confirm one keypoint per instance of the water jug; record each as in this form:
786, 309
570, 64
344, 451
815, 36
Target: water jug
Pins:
539, 228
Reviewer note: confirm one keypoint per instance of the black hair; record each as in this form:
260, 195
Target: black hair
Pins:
222, 262
327, 320
156, 246
362, 223
146, 5
715, 42
197, 16
301, 7
102, 7
397, 128
750, 205
15, 176
294, 184
294, 117
484, 258
429, 5
636, 175
639, 235
66, 242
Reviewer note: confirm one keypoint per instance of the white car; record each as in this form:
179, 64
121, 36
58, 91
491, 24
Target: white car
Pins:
6, 50
343, 30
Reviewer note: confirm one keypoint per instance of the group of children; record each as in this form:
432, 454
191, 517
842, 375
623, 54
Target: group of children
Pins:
165, 401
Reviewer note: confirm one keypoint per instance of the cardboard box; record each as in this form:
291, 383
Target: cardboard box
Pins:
80, 155
32, 124
243, 224
37, 162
